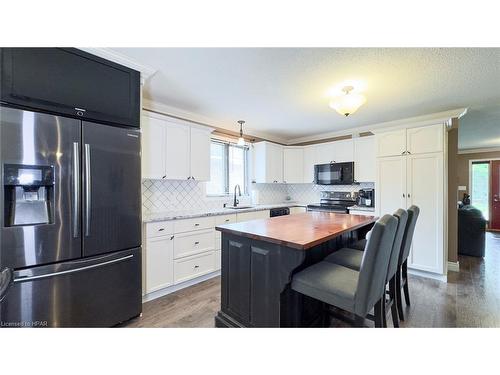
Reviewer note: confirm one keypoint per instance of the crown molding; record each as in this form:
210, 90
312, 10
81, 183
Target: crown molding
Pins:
478, 150
207, 121
109, 54
430, 119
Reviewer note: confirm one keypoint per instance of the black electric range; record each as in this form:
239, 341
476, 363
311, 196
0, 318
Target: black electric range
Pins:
334, 201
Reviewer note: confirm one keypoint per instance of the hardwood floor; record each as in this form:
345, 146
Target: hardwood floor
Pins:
471, 298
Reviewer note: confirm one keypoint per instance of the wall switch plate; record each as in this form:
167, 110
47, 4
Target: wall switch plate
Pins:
462, 188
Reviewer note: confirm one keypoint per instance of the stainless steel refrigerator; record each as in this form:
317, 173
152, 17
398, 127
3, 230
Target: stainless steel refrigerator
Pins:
70, 224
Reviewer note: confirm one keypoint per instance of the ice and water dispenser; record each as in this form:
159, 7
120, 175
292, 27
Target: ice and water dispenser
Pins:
28, 194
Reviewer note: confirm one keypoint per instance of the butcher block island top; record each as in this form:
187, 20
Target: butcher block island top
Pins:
300, 231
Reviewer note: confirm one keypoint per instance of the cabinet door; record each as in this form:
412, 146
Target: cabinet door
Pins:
200, 154
177, 152
425, 139
343, 151
325, 153
293, 161
274, 163
365, 163
391, 143
308, 164
425, 181
391, 184
153, 148
159, 263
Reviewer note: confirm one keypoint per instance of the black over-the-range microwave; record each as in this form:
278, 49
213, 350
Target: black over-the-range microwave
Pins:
334, 173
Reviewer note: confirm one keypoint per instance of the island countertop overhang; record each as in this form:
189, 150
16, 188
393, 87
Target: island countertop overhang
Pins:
300, 231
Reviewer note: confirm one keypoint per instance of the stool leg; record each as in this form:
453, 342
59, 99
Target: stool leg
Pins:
394, 309
378, 314
399, 297
384, 311
404, 270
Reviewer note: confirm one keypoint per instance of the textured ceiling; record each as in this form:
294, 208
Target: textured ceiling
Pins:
480, 127
282, 91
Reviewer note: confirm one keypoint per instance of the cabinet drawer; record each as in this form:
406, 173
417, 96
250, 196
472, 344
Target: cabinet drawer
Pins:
187, 244
158, 229
198, 223
225, 219
191, 267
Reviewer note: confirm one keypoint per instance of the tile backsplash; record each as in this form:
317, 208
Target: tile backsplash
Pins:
168, 195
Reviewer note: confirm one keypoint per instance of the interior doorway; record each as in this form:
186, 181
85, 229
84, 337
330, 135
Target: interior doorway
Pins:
495, 195
485, 190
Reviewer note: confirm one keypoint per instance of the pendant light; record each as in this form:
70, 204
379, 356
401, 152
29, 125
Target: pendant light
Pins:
241, 140
348, 103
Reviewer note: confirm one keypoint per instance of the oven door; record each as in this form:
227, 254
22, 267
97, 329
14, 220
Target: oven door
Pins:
328, 174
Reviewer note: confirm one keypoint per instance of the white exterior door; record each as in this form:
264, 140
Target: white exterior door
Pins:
177, 152
391, 184
153, 148
159, 263
425, 184
391, 143
200, 154
293, 165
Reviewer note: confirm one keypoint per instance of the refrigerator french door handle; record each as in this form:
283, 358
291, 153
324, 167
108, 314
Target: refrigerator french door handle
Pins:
52, 274
88, 190
76, 189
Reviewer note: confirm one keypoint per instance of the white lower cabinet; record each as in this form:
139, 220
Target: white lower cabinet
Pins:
159, 263
218, 259
191, 243
297, 210
194, 266
254, 215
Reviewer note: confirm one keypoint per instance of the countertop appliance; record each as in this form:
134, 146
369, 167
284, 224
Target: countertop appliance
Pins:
281, 211
334, 201
70, 196
366, 198
334, 173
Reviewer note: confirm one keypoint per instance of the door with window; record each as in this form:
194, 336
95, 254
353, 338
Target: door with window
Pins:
495, 195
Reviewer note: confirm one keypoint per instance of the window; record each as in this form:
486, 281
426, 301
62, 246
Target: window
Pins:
480, 189
228, 167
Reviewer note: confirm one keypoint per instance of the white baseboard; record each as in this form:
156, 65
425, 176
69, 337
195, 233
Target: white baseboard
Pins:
453, 266
429, 275
175, 288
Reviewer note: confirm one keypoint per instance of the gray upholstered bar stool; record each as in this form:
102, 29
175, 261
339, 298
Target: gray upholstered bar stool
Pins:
353, 258
402, 274
357, 292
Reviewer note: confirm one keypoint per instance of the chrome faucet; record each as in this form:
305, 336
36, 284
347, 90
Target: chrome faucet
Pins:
236, 201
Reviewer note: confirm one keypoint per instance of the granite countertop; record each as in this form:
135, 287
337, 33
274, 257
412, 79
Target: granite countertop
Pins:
361, 208
187, 214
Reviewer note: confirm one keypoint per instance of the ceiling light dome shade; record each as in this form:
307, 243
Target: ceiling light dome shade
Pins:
349, 103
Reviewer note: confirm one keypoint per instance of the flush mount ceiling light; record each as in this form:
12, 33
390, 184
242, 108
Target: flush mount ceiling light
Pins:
241, 140
348, 103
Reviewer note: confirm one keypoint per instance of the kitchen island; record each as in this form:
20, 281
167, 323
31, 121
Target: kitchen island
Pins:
260, 257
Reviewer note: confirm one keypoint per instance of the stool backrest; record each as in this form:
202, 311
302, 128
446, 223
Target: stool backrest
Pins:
402, 216
373, 271
413, 213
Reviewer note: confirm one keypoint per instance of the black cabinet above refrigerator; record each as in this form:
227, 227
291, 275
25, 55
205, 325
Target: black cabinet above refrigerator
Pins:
70, 82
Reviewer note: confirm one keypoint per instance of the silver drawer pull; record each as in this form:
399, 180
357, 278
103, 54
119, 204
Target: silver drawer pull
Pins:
161, 229
197, 243
227, 220
196, 225
196, 266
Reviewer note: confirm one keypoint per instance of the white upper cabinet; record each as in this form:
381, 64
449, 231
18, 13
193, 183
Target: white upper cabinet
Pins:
343, 151
268, 162
419, 140
177, 151
293, 165
200, 154
173, 150
325, 153
310, 160
425, 139
364, 159
153, 150
391, 143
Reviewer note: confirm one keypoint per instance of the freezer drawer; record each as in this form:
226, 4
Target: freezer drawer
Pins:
95, 292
